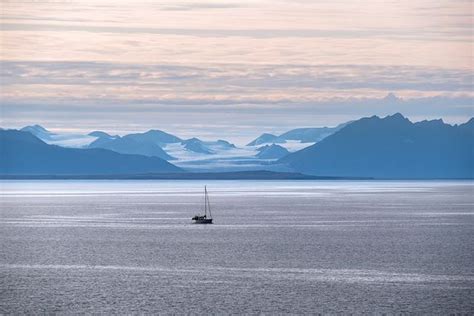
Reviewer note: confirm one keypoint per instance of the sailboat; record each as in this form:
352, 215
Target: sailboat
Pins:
203, 219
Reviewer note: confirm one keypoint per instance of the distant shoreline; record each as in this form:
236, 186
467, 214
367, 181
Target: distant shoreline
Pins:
238, 175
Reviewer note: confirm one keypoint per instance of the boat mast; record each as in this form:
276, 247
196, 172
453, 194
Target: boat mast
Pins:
208, 203
205, 201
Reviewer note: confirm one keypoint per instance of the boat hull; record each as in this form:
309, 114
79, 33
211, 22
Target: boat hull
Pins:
203, 221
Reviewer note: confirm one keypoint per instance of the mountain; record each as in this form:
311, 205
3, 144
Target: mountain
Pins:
207, 147
65, 140
197, 146
146, 144
223, 144
303, 135
100, 134
39, 131
391, 147
272, 151
157, 137
263, 139
23, 153
311, 134
127, 145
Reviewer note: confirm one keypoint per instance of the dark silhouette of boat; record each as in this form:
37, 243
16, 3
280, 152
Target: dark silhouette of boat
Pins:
204, 219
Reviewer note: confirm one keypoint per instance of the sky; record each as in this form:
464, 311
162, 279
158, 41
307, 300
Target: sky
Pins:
232, 69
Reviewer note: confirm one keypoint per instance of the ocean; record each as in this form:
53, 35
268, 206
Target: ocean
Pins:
275, 247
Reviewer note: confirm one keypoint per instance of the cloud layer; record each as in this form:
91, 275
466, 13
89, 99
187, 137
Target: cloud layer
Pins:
232, 67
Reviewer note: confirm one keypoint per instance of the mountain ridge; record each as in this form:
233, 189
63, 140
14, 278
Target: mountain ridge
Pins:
302, 134
130, 145
272, 151
391, 147
23, 153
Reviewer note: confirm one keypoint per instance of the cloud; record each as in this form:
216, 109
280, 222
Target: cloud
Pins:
222, 83
189, 6
232, 67
420, 35
279, 32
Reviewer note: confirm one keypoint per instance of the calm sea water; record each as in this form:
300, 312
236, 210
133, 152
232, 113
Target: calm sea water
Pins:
275, 247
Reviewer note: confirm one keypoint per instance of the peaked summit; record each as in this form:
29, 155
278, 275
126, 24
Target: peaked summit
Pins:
391, 147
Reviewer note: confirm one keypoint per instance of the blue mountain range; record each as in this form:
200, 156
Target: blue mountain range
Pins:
391, 147
372, 147
303, 135
23, 153
39, 131
146, 144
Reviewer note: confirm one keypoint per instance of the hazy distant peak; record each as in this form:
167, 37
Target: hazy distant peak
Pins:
101, 134
155, 136
262, 139
194, 139
272, 151
225, 143
38, 130
157, 132
392, 98
36, 127
196, 145
131, 145
268, 146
